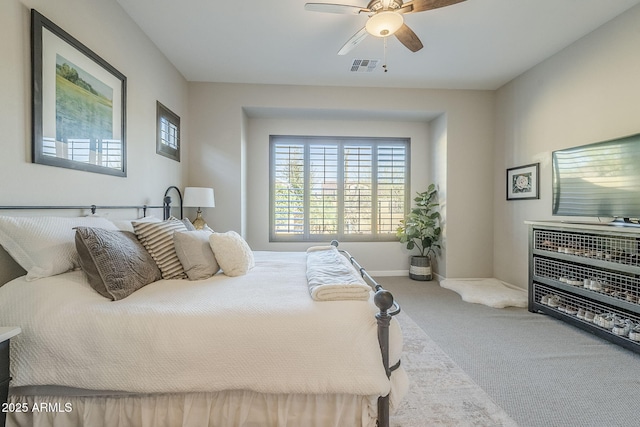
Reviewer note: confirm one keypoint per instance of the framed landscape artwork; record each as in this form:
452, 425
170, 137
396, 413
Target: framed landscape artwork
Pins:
79, 103
522, 182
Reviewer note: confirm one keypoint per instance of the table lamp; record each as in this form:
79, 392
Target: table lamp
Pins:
199, 197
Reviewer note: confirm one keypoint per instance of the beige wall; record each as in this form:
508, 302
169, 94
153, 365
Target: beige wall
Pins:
230, 123
438, 174
588, 92
109, 32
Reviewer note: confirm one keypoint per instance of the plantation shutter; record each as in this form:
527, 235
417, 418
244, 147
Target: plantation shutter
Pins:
289, 189
344, 188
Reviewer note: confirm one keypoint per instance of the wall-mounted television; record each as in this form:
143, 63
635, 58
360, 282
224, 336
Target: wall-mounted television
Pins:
598, 180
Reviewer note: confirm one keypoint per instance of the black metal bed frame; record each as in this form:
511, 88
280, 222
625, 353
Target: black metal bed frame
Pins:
166, 206
383, 299
92, 208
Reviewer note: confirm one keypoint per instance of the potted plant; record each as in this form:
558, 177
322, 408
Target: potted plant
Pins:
421, 230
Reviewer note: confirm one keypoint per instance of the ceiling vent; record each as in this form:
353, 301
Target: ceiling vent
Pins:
364, 65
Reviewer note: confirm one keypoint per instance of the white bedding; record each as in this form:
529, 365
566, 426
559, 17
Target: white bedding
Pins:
259, 332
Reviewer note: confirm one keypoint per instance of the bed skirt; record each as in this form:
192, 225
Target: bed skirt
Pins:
220, 409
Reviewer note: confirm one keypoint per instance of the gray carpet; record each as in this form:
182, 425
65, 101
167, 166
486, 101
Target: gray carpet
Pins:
541, 371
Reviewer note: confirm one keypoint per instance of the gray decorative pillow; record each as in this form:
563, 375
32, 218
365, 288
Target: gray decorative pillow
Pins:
157, 238
195, 254
187, 223
114, 261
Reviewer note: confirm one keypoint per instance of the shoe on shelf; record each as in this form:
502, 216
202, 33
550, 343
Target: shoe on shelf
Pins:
634, 334
554, 301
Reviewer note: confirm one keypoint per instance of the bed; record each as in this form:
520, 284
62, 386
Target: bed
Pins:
253, 349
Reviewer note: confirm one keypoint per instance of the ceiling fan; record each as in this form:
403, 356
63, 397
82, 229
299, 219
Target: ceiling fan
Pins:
385, 19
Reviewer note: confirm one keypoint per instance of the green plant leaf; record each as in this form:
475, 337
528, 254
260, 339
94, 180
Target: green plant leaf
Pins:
420, 229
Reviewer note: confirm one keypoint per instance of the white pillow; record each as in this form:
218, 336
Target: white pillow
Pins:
127, 224
195, 254
232, 253
45, 246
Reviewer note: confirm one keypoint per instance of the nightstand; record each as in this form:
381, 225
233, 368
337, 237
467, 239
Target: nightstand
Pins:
6, 333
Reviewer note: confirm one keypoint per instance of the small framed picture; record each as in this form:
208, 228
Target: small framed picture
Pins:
523, 182
167, 132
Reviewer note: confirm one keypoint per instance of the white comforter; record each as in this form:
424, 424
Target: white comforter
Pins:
259, 332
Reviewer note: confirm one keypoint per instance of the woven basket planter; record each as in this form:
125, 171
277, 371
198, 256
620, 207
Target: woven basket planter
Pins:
420, 268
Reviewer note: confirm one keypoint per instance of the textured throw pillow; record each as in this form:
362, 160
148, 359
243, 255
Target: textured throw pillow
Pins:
44, 246
232, 253
195, 254
115, 262
157, 238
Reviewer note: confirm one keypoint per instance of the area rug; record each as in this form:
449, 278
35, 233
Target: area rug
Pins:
492, 292
440, 392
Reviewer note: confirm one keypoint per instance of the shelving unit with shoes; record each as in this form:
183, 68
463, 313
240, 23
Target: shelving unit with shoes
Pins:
589, 276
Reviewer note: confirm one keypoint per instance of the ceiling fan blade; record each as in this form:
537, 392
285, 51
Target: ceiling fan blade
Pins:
335, 8
408, 38
353, 41
422, 5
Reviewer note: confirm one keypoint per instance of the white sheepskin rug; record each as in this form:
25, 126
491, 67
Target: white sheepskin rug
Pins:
492, 292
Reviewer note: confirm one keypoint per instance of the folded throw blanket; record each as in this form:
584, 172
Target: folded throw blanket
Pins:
331, 277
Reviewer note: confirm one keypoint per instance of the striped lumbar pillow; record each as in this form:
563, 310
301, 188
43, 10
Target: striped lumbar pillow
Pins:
157, 238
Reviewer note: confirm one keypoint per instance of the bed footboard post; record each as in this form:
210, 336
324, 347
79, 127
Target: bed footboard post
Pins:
384, 301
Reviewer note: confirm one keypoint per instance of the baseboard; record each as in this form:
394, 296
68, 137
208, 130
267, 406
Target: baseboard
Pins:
388, 273
508, 285
400, 273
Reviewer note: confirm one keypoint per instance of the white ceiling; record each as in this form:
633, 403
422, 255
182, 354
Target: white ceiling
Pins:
477, 44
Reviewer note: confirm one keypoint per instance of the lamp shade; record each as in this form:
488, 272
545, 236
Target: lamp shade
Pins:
199, 197
384, 23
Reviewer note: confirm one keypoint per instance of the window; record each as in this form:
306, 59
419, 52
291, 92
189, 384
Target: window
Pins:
346, 188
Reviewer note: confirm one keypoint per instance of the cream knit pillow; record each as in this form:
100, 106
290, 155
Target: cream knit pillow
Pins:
232, 253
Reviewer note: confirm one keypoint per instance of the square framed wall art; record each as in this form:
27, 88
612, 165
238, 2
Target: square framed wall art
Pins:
523, 182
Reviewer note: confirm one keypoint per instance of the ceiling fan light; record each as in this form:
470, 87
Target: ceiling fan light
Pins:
384, 23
